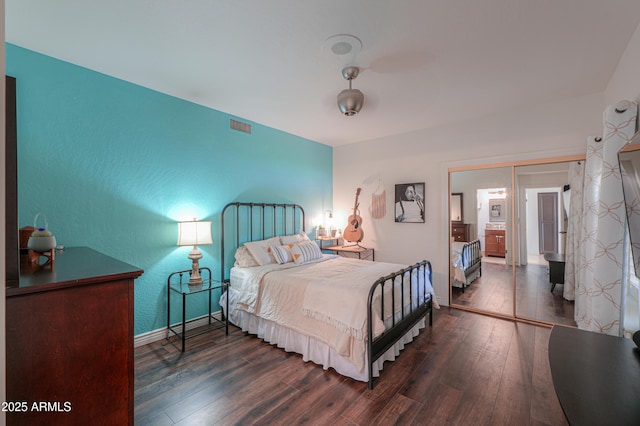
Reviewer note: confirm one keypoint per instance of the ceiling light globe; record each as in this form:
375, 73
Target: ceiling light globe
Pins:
350, 101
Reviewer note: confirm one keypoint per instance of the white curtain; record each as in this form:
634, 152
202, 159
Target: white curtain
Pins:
574, 228
598, 289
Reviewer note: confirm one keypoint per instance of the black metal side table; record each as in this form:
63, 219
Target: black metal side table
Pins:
177, 282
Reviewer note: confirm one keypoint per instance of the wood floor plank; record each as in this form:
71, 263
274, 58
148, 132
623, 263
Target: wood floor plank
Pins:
466, 369
493, 291
400, 410
516, 378
440, 406
545, 407
303, 406
483, 380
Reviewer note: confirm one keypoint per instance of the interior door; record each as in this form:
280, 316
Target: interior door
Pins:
548, 222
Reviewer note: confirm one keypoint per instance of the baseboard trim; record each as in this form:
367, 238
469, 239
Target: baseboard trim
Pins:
161, 333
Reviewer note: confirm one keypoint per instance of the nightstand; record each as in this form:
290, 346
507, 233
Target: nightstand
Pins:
177, 282
354, 251
324, 238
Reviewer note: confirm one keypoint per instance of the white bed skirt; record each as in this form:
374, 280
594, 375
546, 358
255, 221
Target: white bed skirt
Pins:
310, 348
471, 278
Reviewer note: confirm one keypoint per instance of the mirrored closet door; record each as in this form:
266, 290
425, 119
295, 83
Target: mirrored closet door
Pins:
542, 200
510, 263
481, 254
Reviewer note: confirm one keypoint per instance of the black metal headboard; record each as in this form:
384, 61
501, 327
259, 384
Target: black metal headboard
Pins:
255, 221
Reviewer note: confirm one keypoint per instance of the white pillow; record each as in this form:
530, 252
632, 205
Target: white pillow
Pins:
282, 254
244, 258
305, 251
292, 239
260, 250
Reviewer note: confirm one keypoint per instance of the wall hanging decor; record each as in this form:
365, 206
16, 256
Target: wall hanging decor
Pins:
409, 205
496, 210
379, 202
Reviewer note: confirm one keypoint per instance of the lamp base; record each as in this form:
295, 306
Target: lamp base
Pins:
195, 281
195, 278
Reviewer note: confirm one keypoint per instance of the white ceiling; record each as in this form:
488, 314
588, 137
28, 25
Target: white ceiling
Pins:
423, 63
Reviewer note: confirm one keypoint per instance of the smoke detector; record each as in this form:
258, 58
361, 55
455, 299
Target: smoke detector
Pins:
343, 44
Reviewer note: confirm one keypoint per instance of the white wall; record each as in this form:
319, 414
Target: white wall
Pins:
550, 130
625, 83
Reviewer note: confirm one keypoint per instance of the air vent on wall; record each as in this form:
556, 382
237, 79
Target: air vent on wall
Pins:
240, 126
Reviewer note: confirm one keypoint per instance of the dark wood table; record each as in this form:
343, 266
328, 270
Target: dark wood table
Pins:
596, 377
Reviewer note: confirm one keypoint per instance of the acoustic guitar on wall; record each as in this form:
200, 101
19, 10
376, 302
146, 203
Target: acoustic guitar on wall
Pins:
353, 232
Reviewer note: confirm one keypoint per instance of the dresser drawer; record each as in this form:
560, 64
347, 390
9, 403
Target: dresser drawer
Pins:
460, 232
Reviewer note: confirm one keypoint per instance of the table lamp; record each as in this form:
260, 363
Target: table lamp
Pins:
194, 233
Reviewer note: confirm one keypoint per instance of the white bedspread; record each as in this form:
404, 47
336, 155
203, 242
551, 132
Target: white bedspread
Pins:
457, 262
340, 297
326, 299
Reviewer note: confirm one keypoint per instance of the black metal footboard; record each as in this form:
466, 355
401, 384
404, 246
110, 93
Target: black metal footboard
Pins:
409, 314
472, 252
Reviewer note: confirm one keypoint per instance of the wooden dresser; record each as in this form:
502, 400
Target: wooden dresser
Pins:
69, 337
494, 242
460, 231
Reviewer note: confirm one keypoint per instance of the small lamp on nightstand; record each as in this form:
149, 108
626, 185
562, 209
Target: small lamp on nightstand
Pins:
194, 233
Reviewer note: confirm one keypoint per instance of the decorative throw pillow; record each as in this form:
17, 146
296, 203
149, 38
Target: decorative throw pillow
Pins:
282, 254
305, 251
261, 251
244, 258
292, 239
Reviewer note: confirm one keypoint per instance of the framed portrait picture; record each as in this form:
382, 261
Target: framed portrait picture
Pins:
497, 210
409, 206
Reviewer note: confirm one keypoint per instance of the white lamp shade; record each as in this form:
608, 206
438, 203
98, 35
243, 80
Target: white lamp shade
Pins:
194, 233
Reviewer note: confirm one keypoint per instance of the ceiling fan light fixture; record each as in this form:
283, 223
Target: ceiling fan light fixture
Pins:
350, 101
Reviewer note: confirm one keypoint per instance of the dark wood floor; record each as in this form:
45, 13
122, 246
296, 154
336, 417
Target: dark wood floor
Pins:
468, 369
493, 291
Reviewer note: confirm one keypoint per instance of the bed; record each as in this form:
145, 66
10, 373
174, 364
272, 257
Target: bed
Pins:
466, 265
346, 314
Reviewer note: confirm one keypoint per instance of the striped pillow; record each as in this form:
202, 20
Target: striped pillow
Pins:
282, 253
305, 251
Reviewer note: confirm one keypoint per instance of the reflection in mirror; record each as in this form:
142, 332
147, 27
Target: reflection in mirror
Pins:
540, 241
496, 210
513, 277
481, 273
457, 208
630, 169
629, 158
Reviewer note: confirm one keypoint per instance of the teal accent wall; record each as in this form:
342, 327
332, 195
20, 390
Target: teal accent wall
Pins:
114, 166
